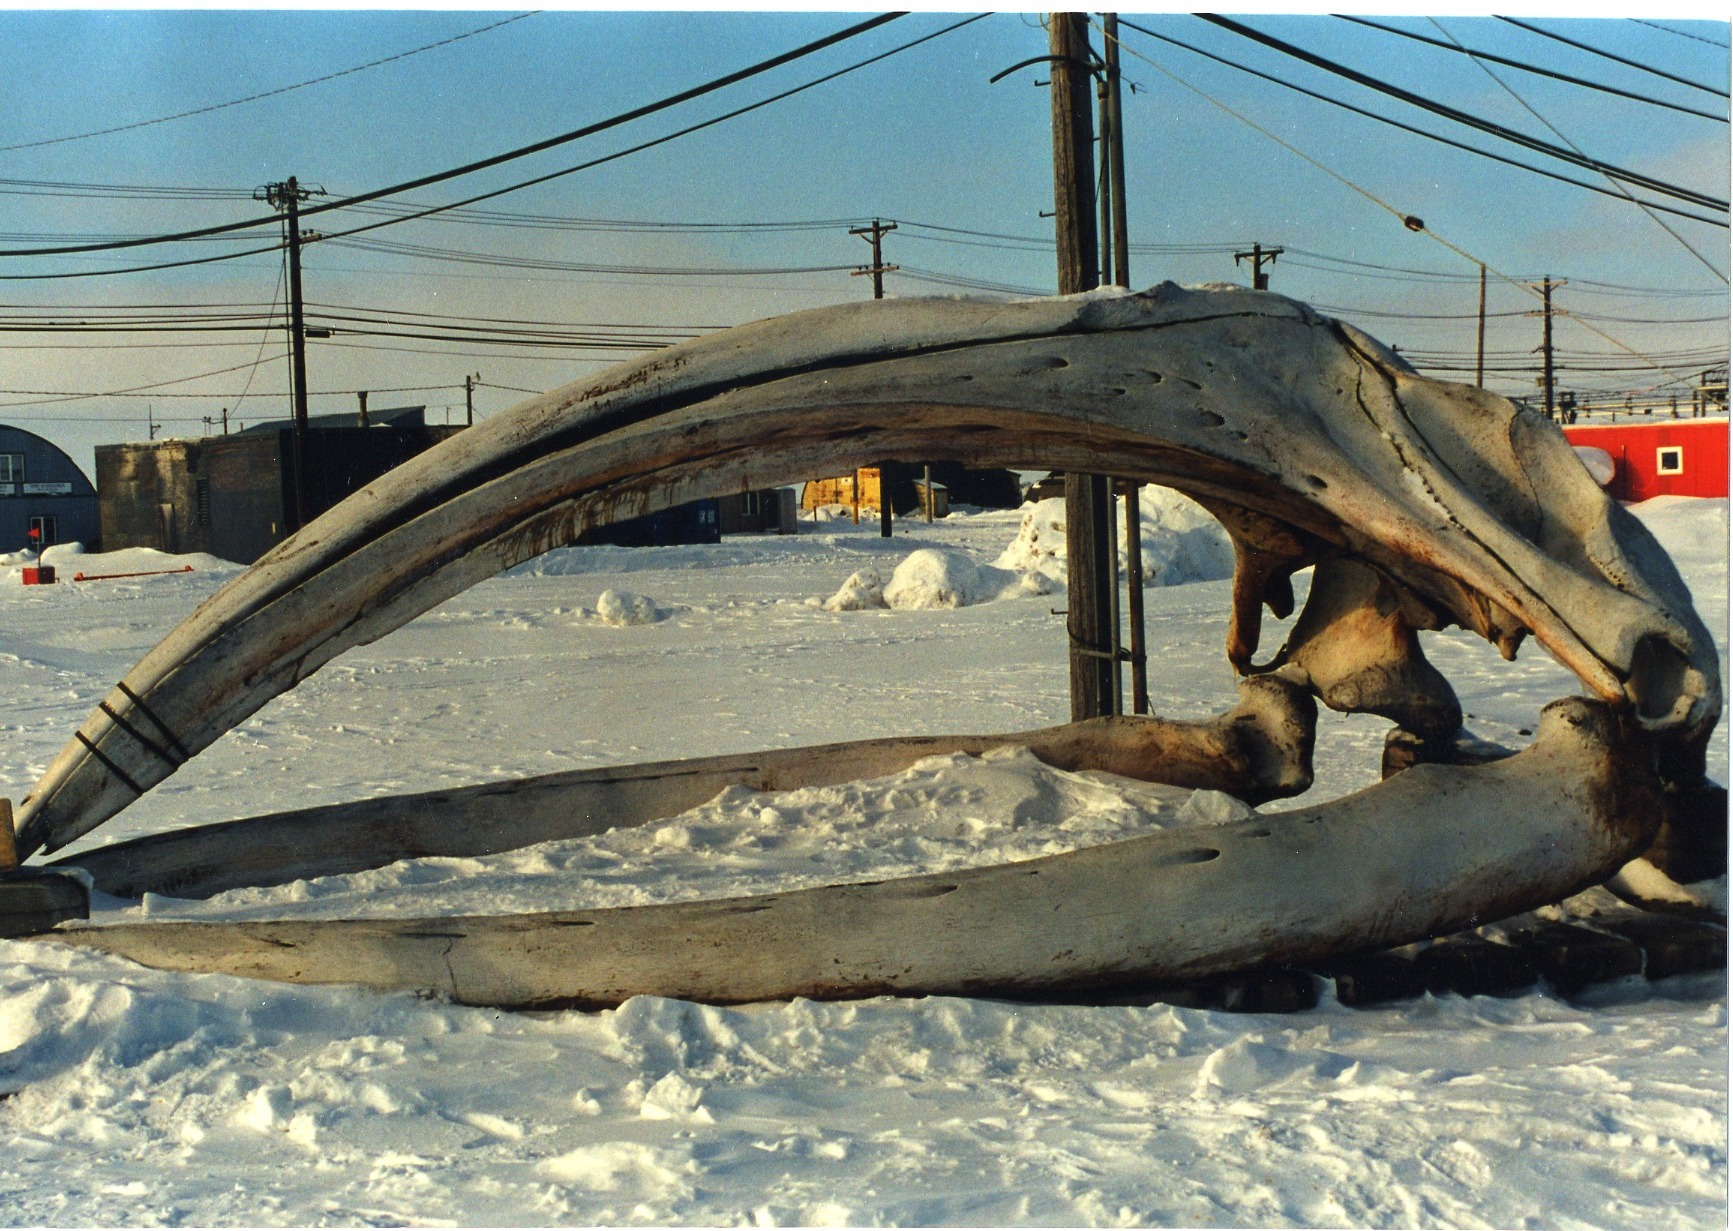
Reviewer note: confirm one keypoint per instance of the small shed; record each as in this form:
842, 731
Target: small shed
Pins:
42, 489
1660, 457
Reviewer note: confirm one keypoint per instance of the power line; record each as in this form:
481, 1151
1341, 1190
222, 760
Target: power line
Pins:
252, 98
530, 182
1655, 25
588, 130
1395, 123
1409, 221
1596, 51
662, 140
1553, 128
429, 252
1462, 117
1531, 68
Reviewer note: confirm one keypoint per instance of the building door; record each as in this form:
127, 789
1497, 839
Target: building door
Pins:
44, 531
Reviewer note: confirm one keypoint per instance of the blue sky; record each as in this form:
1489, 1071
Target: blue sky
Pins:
921, 137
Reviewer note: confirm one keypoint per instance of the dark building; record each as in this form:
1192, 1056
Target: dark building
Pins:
770, 511
42, 489
233, 496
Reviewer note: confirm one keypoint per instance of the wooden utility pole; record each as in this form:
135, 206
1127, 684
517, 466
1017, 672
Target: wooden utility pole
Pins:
1259, 256
1547, 312
1091, 591
875, 235
1480, 335
286, 197
361, 408
469, 398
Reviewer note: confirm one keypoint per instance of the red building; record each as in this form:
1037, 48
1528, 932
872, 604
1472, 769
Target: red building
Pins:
1663, 457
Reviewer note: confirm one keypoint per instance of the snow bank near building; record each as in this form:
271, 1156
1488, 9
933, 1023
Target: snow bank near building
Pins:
70, 558
1181, 541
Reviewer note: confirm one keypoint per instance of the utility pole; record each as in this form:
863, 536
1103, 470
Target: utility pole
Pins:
150, 420
1547, 312
1092, 601
286, 198
469, 382
1259, 256
361, 409
875, 235
1480, 335
225, 420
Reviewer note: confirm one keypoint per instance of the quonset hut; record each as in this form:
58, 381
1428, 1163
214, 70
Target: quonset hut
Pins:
42, 489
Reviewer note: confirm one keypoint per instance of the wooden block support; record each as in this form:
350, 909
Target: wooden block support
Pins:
1673, 945
33, 902
1470, 966
1572, 957
1377, 978
8, 838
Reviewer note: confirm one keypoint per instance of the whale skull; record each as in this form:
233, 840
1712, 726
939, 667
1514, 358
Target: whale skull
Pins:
1418, 504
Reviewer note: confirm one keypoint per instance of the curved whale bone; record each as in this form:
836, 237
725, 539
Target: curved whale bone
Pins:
1312, 443
1260, 750
1176, 905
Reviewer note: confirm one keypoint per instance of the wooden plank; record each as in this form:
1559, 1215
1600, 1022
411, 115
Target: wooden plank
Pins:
1472, 966
1671, 944
1571, 957
33, 902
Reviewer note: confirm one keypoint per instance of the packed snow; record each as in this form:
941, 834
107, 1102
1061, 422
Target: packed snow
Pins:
147, 1098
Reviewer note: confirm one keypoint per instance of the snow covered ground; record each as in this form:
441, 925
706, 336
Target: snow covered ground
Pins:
137, 1097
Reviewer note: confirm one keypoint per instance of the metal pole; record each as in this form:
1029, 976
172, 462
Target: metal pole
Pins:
1134, 597
1116, 152
1092, 597
1480, 335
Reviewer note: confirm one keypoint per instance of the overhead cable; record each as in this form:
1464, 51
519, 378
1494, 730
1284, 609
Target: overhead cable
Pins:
1571, 42
1530, 68
1554, 129
1655, 25
540, 179
1409, 221
667, 137
1462, 117
482, 164
1419, 132
252, 98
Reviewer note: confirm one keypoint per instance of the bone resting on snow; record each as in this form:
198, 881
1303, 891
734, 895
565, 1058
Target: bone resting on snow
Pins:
1418, 504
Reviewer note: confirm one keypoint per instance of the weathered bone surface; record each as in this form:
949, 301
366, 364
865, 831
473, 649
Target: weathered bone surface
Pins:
1260, 750
1478, 513
1422, 504
1174, 905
